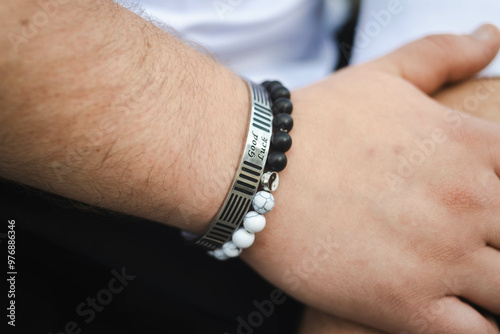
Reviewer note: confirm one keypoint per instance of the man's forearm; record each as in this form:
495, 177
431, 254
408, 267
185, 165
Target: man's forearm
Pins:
101, 106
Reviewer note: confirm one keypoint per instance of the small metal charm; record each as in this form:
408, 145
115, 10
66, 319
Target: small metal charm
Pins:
270, 181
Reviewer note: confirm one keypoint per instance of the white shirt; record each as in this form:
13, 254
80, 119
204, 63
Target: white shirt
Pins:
381, 30
291, 40
260, 39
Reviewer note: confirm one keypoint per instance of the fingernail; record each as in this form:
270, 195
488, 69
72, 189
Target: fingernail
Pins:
483, 33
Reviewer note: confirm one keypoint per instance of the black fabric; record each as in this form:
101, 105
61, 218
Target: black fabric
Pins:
65, 254
345, 37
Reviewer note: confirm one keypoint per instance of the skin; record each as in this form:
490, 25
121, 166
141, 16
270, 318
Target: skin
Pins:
79, 116
318, 322
101, 106
407, 250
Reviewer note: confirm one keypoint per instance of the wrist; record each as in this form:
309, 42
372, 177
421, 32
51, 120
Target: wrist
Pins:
214, 148
284, 223
267, 141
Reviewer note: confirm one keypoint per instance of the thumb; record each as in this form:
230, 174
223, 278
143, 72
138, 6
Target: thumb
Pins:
434, 60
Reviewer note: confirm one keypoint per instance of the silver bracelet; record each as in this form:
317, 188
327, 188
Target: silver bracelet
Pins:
249, 174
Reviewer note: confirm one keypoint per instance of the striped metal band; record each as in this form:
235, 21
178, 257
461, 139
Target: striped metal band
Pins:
247, 179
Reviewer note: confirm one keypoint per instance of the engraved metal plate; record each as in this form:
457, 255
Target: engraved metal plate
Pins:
246, 182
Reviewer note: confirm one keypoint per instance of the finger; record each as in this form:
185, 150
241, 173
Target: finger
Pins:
451, 315
482, 287
493, 136
478, 97
488, 134
430, 62
319, 322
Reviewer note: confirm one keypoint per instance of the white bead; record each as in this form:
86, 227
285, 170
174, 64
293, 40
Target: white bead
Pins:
254, 222
263, 202
230, 249
219, 254
243, 239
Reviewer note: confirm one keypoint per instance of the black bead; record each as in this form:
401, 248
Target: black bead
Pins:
266, 83
276, 161
283, 122
280, 92
282, 105
281, 141
273, 85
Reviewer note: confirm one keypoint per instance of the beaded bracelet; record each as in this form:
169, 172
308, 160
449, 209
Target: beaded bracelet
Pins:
263, 202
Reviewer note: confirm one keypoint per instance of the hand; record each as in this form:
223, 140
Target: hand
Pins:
460, 97
318, 322
388, 211
477, 97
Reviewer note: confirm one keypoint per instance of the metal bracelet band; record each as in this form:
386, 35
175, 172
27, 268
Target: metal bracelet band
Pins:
246, 182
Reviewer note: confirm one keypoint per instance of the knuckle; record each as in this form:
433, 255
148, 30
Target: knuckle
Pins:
464, 134
438, 45
464, 195
435, 40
